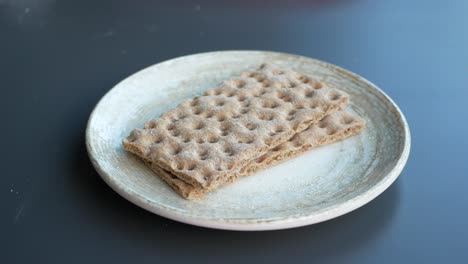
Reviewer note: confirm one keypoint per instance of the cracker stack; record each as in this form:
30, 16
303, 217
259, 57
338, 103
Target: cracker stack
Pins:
245, 124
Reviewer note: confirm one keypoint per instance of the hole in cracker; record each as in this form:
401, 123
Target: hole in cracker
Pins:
202, 152
209, 115
217, 92
347, 120
175, 150
303, 79
196, 111
297, 143
158, 140
261, 159
284, 96
213, 139
180, 166
247, 140
225, 129
244, 110
230, 94
318, 85
200, 141
277, 72
221, 118
170, 127
207, 177
266, 116
334, 96
251, 126
191, 167
279, 129
151, 124
309, 93
313, 105
322, 124
259, 77
241, 98
270, 104
266, 83
186, 140
175, 133
220, 103
199, 126
281, 95
239, 83
291, 85
194, 102
331, 131
229, 151
245, 104
260, 93
277, 148
235, 116
300, 106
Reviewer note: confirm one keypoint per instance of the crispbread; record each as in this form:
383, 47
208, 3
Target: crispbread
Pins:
204, 140
335, 126
182, 188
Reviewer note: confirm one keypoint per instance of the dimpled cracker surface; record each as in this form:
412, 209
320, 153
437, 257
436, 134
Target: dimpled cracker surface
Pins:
333, 127
205, 139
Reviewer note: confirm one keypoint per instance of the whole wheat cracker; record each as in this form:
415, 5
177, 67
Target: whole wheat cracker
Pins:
334, 127
204, 140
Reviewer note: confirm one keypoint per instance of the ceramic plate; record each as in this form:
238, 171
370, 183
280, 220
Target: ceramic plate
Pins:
321, 184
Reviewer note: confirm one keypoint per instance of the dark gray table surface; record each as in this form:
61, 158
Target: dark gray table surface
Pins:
58, 58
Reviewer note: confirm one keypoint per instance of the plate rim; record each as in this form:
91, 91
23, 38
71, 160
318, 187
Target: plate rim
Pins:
258, 225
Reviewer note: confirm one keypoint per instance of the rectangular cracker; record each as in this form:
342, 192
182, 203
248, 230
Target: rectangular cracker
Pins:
334, 127
204, 140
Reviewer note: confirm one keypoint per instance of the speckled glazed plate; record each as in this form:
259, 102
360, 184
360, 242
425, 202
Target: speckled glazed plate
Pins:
321, 184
